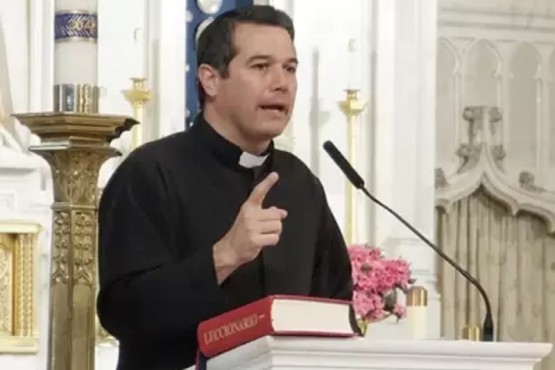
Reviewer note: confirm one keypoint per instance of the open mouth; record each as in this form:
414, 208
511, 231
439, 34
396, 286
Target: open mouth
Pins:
275, 108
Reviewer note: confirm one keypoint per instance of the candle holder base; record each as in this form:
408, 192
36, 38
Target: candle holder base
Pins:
352, 106
76, 98
138, 96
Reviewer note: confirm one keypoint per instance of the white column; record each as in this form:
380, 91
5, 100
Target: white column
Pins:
162, 53
167, 45
46, 9
118, 23
544, 113
323, 50
404, 134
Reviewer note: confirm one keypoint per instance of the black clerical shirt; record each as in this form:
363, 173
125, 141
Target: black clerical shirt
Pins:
161, 213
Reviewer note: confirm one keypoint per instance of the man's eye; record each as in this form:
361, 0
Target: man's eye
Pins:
261, 66
291, 69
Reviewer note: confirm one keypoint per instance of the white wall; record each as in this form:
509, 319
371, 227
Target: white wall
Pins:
396, 155
160, 58
323, 50
499, 53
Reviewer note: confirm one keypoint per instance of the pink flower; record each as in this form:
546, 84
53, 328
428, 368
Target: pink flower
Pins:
362, 303
376, 280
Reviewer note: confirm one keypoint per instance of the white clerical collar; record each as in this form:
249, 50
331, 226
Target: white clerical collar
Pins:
249, 160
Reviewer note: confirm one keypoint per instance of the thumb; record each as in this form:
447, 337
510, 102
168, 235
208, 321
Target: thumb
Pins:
260, 191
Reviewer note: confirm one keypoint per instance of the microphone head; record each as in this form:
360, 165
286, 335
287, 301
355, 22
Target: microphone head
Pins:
343, 164
329, 147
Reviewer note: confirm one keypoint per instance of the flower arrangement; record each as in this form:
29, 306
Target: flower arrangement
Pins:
376, 283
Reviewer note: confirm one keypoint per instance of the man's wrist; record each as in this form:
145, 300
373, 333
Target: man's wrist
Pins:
224, 261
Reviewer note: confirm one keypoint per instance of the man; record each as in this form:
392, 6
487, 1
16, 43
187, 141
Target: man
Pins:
207, 220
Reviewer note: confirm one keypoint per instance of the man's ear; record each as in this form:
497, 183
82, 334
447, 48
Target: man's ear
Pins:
209, 79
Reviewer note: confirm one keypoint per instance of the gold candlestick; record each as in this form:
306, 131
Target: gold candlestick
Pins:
352, 106
138, 96
75, 145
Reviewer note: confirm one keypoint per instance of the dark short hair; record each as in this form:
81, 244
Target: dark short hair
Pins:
215, 45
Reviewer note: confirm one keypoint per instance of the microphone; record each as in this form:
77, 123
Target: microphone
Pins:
358, 182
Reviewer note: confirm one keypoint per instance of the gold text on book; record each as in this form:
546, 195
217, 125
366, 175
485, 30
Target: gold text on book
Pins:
231, 328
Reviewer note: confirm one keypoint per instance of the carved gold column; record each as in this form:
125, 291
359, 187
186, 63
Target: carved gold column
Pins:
75, 146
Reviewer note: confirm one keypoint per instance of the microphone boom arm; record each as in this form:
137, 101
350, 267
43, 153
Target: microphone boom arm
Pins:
358, 182
487, 334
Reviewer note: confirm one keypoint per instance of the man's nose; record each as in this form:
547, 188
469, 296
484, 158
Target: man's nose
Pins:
279, 79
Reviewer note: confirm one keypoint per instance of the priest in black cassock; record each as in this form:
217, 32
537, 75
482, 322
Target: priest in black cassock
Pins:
209, 219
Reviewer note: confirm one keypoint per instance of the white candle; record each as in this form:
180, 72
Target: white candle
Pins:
352, 76
76, 47
139, 53
418, 325
417, 312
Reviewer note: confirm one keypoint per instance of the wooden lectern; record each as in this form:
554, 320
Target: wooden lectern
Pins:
281, 353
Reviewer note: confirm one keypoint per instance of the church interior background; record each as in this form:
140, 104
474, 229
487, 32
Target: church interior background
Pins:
456, 133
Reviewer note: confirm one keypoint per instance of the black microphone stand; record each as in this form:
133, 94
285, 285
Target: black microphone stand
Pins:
487, 327
358, 182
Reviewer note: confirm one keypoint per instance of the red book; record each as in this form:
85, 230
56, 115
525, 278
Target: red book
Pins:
274, 315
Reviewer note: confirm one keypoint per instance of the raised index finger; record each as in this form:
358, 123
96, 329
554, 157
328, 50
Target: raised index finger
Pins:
259, 192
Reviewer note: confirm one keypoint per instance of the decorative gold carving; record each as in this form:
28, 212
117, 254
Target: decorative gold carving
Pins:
6, 287
75, 145
62, 236
24, 308
85, 248
75, 174
18, 245
83, 226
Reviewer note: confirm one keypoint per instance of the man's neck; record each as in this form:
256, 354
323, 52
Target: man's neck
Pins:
227, 129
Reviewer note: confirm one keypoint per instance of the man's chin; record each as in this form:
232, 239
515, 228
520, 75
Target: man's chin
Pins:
271, 130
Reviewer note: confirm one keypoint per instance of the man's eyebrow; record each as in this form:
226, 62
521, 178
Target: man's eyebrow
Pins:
263, 57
